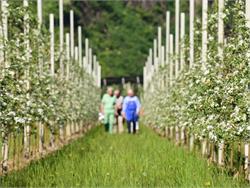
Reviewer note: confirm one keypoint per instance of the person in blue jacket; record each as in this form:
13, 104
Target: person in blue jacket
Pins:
131, 109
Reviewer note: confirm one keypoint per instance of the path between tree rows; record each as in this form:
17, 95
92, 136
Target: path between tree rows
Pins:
100, 159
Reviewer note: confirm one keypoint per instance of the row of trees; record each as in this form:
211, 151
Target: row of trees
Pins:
44, 84
200, 84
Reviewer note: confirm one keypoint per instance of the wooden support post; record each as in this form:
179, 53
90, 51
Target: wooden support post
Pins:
99, 76
182, 135
220, 53
87, 53
203, 146
177, 28
52, 45
155, 55
4, 30
3, 38
90, 60
72, 45
166, 132
27, 56
191, 32
220, 153
159, 46
68, 56
41, 126
144, 79
68, 133
204, 32
94, 69
167, 35
162, 64
5, 153
177, 135
84, 60
52, 65
80, 46
171, 47
246, 162
182, 52
247, 165
220, 28
191, 142
61, 31
171, 135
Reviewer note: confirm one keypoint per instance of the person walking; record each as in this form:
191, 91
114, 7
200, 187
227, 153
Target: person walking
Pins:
118, 110
108, 109
131, 109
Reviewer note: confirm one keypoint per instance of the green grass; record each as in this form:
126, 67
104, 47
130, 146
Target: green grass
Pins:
100, 159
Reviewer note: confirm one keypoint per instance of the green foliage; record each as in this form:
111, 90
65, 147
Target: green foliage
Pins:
29, 93
120, 33
212, 101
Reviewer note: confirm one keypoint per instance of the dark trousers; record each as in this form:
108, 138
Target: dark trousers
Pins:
133, 124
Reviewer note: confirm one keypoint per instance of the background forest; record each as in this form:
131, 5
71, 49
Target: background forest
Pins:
121, 31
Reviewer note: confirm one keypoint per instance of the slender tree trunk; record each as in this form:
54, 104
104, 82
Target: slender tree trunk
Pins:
5, 152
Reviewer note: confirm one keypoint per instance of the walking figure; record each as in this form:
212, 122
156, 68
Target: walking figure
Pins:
118, 110
108, 109
130, 110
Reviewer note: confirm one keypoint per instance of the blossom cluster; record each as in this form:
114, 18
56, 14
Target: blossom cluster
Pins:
213, 100
28, 92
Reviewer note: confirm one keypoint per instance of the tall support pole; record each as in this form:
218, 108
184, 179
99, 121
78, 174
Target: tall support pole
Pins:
191, 32
220, 53
177, 27
144, 79
182, 52
61, 30
163, 60
94, 68
3, 38
67, 56
87, 52
151, 67
61, 49
76, 54
163, 55
247, 165
151, 58
39, 13
52, 45
52, 65
90, 60
72, 45
159, 46
171, 52
27, 57
220, 28
155, 54
99, 76
204, 32
4, 30
68, 126
40, 20
80, 45
84, 63
167, 35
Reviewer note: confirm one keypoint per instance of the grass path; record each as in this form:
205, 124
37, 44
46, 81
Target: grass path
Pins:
100, 159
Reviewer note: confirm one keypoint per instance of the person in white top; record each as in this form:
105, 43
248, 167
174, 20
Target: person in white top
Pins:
118, 110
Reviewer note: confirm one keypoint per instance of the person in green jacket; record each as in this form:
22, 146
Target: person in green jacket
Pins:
108, 109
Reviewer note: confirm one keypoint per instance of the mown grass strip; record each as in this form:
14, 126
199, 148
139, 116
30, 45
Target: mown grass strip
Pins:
100, 159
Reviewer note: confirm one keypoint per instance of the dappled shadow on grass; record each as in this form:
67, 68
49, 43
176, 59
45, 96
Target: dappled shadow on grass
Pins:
101, 159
